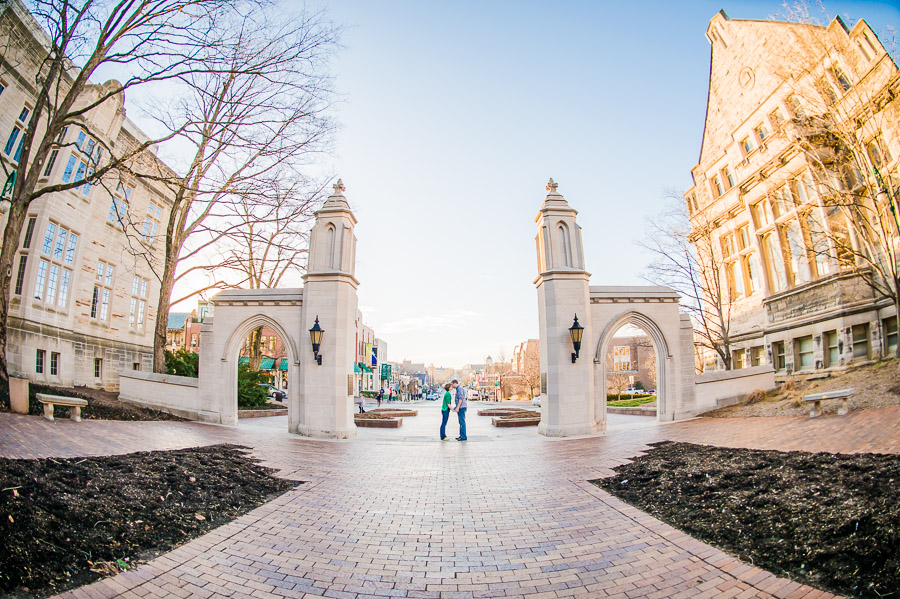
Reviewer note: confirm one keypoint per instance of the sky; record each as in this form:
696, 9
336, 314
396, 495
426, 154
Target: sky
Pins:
454, 114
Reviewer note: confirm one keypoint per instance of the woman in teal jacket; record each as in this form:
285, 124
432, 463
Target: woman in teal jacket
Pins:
445, 412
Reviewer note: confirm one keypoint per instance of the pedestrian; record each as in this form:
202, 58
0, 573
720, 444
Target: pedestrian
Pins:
359, 402
460, 408
445, 412
379, 396
391, 395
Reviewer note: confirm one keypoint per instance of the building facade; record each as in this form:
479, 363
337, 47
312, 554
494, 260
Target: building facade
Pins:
83, 305
776, 187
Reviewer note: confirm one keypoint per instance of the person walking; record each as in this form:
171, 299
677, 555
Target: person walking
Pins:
359, 402
460, 408
379, 397
445, 412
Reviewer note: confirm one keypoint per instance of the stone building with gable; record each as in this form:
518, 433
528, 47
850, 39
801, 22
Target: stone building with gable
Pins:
764, 189
83, 305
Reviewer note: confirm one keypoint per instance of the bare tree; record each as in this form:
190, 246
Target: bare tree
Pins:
616, 380
685, 259
261, 114
840, 119
146, 40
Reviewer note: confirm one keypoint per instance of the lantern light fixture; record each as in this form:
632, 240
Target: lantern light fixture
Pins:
576, 331
315, 336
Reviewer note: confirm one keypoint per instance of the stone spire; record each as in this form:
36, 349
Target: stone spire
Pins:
554, 198
337, 200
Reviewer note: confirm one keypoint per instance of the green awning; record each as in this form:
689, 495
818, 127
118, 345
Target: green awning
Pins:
283, 364
266, 363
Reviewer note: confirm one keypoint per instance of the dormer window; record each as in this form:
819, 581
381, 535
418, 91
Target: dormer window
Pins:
840, 77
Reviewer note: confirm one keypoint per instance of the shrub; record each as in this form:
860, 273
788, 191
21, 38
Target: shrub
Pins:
182, 363
250, 391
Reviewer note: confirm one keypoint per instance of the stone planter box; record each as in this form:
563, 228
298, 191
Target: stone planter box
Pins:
395, 413
261, 413
515, 422
379, 422
500, 411
636, 411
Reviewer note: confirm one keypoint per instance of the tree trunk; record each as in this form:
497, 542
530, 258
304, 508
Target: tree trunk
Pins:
254, 348
11, 234
162, 314
897, 316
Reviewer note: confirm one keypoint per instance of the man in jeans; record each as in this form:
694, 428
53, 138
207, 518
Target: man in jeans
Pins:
459, 393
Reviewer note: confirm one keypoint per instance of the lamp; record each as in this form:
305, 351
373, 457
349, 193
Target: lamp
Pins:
576, 331
315, 335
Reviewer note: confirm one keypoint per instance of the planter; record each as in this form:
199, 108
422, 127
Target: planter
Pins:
515, 422
18, 394
261, 413
394, 412
379, 422
500, 411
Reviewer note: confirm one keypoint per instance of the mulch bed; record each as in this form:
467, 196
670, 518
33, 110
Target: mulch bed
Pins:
373, 415
102, 405
522, 414
828, 520
68, 522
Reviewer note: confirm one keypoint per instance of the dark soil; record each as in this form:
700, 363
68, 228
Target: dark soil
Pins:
67, 522
522, 414
828, 520
102, 405
373, 415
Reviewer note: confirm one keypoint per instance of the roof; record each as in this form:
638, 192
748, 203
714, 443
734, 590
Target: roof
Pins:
176, 320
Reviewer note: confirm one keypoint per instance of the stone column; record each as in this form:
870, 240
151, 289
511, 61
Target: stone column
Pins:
324, 404
563, 292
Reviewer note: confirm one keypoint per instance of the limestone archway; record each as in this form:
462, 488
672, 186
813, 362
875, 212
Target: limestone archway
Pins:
660, 347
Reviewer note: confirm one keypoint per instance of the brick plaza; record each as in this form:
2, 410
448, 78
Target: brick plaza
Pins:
401, 514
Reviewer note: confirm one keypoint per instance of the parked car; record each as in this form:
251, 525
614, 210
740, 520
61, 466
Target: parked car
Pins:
474, 394
536, 401
272, 392
633, 391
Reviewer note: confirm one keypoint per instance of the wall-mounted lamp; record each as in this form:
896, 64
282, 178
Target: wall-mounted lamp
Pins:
576, 331
315, 335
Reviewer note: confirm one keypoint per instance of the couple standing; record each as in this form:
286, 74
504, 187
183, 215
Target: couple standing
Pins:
459, 394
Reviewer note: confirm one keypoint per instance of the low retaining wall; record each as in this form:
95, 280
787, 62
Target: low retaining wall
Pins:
178, 395
262, 413
635, 411
515, 422
722, 388
379, 422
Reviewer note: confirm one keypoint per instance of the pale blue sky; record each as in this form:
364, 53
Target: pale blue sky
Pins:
454, 115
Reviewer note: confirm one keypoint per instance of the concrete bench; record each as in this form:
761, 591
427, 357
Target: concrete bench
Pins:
817, 398
73, 403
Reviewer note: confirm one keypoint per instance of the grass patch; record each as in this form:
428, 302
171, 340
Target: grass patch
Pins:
631, 403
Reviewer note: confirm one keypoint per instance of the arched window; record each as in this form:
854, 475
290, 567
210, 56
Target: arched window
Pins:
565, 245
329, 246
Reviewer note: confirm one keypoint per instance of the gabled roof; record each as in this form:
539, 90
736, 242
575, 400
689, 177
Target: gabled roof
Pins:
749, 60
176, 320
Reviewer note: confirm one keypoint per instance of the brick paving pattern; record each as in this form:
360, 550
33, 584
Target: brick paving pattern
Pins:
499, 516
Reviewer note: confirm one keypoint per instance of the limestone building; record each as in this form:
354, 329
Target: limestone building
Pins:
82, 306
802, 128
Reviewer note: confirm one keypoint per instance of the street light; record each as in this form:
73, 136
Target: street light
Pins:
315, 335
576, 331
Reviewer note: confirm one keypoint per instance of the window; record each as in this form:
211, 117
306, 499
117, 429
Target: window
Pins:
779, 202
851, 178
861, 341
798, 190
735, 279
819, 244
17, 133
717, 184
39, 361
827, 91
864, 51
20, 275
776, 117
729, 176
832, 353
743, 238
778, 355
751, 265
194, 341
762, 132
756, 355
53, 276
138, 305
760, 215
890, 333
775, 261
795, 107
29, 232
738, 357
840, 77
50, 162
803, 353
119, 207
792, 235
878, 152
864, 44
747, 145
102, 291
727, 242
54, 363
98, 368
151, 222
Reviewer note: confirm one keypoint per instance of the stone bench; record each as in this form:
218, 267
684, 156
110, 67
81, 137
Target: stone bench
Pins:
817, 398
73, 403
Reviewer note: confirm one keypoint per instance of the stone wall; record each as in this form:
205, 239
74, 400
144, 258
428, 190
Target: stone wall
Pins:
727, 387
178, 395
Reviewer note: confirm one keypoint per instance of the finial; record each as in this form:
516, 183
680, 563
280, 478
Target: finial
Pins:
339, 187
552, 185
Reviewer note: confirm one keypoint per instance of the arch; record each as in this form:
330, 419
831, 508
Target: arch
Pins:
565, 242
230, 360
660, 346
329, 245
